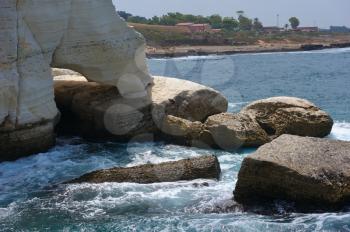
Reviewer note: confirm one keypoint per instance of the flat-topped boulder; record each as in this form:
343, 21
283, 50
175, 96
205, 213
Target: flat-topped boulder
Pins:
289, 115
99, 111
308, 171
231, 131
185, 99
206, 167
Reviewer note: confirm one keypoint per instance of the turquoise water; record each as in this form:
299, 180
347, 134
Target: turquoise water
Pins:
32, 198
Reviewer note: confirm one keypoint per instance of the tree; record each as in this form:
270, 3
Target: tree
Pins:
138, 19
230, 23
124, 15
294, 22
257, 25
245, 24
215, 21
155, 20
286, 26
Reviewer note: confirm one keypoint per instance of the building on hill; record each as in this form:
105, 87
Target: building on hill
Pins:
192, 27
200, 27
186, 25
271, 30
308, 29
339, 29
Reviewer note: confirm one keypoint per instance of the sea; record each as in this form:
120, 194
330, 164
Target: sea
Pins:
33, 198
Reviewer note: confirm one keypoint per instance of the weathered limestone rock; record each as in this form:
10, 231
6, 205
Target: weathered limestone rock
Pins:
306, 170
184, 99
206, 167
231, 131
57, 72
289, 115
187, 132
85, 36
101, 112
25, 140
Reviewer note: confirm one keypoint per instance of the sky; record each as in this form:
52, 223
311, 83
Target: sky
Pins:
321, 13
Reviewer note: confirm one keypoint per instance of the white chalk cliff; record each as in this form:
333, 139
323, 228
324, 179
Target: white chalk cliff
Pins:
86, 36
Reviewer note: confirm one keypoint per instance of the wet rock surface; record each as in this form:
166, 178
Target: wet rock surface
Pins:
231, 131
309, 171
289, 115
206, 167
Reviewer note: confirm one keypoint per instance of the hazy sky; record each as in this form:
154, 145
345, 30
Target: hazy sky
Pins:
322, 13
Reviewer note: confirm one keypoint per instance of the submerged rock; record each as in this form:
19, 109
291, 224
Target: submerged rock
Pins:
231, 131
289, 115
206, 167
308, 171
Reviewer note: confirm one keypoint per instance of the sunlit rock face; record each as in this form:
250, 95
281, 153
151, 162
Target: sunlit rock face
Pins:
86, 36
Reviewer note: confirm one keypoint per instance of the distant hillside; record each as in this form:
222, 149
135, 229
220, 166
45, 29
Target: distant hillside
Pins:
169, 36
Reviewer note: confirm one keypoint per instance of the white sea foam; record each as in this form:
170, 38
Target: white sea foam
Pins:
341, 131
236, 106
323, 51
115, 200
206, 57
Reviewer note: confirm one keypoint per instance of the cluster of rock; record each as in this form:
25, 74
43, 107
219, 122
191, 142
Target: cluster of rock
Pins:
172, 107
184, 112
110, 94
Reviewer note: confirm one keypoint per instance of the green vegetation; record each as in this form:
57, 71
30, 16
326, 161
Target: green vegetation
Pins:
294, 22
161, 32
243, 23
169, 36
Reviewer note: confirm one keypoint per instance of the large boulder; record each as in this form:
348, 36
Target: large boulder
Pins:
185, 99
308, 171
231, 131
289, 115
85, 36
99, 111
206, 167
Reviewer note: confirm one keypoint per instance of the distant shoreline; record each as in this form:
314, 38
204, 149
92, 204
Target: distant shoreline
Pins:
183, 51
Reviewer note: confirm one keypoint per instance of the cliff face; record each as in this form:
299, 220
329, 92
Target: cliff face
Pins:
83, 35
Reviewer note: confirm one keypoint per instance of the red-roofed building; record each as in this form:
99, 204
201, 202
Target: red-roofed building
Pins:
271, 29
195, 27
308, 29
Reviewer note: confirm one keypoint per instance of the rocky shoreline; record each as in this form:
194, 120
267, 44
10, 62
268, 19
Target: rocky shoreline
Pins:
183, 51
112, 96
